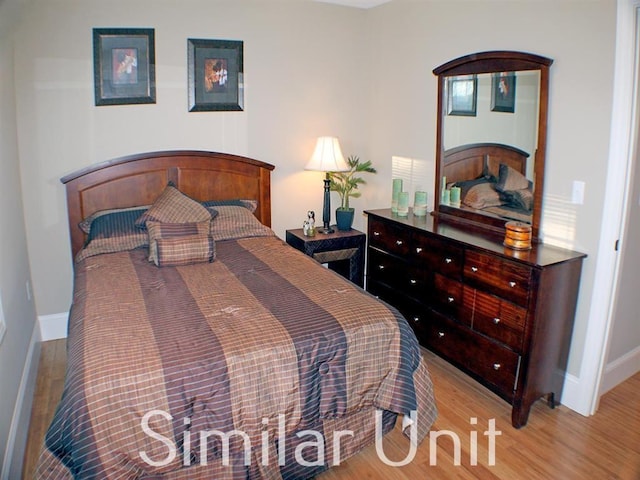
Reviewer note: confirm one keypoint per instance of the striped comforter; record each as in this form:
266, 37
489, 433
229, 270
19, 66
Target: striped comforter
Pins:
226, 369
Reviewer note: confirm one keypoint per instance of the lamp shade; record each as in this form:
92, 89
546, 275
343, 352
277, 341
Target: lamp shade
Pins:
327, 156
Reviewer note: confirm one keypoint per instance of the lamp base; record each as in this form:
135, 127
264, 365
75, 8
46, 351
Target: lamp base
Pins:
326, 230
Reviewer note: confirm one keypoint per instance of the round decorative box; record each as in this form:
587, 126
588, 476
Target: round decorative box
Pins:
518, 236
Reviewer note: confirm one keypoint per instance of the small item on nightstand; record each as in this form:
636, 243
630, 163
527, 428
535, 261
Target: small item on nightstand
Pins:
517, 236
309, 225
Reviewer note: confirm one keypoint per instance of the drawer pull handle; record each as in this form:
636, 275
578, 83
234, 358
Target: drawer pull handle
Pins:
512, 284
418, 249
496, 320
399, 242
474, 269
451, 299
380, 267
413, 282
440, 334
496, 366
376, 234
447, 260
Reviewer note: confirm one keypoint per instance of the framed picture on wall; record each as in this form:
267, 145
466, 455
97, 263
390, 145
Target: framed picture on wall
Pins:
215, 75
462, 95
503, 92
124, 69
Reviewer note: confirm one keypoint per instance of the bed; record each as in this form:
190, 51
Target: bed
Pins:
492, 178
216, 351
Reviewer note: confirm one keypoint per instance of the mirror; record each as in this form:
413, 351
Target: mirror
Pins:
491, 140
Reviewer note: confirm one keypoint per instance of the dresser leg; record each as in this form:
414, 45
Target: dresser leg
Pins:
551, 400
520, 416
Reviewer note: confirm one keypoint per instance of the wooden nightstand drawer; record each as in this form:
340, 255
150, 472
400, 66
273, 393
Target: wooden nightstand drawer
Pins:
508, 279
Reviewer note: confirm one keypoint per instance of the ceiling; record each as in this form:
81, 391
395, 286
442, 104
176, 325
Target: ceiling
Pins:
356, 3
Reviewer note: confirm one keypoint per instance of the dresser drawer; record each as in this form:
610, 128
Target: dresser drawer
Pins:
389, 237
447, 295
499, 319
406, 278
508, 279
495, 364
415, 313
438, 255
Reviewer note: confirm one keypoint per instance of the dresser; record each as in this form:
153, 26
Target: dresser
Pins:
503, 316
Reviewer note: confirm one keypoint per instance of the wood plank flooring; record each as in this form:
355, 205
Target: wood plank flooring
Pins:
555, 444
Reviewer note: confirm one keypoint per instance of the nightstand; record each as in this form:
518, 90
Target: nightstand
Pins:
342, 251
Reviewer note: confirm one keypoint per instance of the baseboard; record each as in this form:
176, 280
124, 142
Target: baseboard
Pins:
620, 369
53, 327
573, 396
17, 441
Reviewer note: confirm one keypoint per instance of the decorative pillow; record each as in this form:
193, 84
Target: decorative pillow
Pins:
237, 222
114, 213
179, 250
173, 206
185, 250
510, 179
481, 196
112, 231
251, 205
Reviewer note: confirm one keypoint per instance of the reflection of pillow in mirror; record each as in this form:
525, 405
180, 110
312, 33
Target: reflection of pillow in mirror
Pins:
466, 185
481, 196
510, 179
521, 199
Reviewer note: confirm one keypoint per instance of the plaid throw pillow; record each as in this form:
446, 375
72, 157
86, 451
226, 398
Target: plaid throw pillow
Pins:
180, 243
173, 206
187, 250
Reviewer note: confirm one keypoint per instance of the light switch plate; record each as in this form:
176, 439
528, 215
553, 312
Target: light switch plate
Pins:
577, 196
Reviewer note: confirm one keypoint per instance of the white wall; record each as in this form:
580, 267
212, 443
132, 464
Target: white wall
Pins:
310, 69
579, 36
19, 312
304, 71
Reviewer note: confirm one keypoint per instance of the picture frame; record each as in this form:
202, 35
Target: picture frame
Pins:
462, 95
216, 77
503, 92
124, 66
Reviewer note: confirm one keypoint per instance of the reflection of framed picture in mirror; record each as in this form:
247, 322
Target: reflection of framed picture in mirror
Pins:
215, 75
503, 92
462, 94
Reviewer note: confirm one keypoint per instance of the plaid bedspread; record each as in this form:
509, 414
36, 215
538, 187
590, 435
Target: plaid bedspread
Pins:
226, 369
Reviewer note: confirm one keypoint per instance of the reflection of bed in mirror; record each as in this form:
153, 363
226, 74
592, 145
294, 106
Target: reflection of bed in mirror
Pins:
492, 179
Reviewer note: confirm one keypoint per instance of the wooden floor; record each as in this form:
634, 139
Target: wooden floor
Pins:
555, 444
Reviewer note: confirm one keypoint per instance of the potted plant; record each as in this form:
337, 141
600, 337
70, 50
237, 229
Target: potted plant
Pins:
346, 184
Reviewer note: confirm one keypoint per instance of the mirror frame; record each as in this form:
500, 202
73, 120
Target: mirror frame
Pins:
492, 62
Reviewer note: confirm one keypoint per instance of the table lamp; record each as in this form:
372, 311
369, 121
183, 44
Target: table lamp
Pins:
327, 157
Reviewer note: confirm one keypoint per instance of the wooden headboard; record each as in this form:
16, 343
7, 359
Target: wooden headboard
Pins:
137, 180
468, 162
